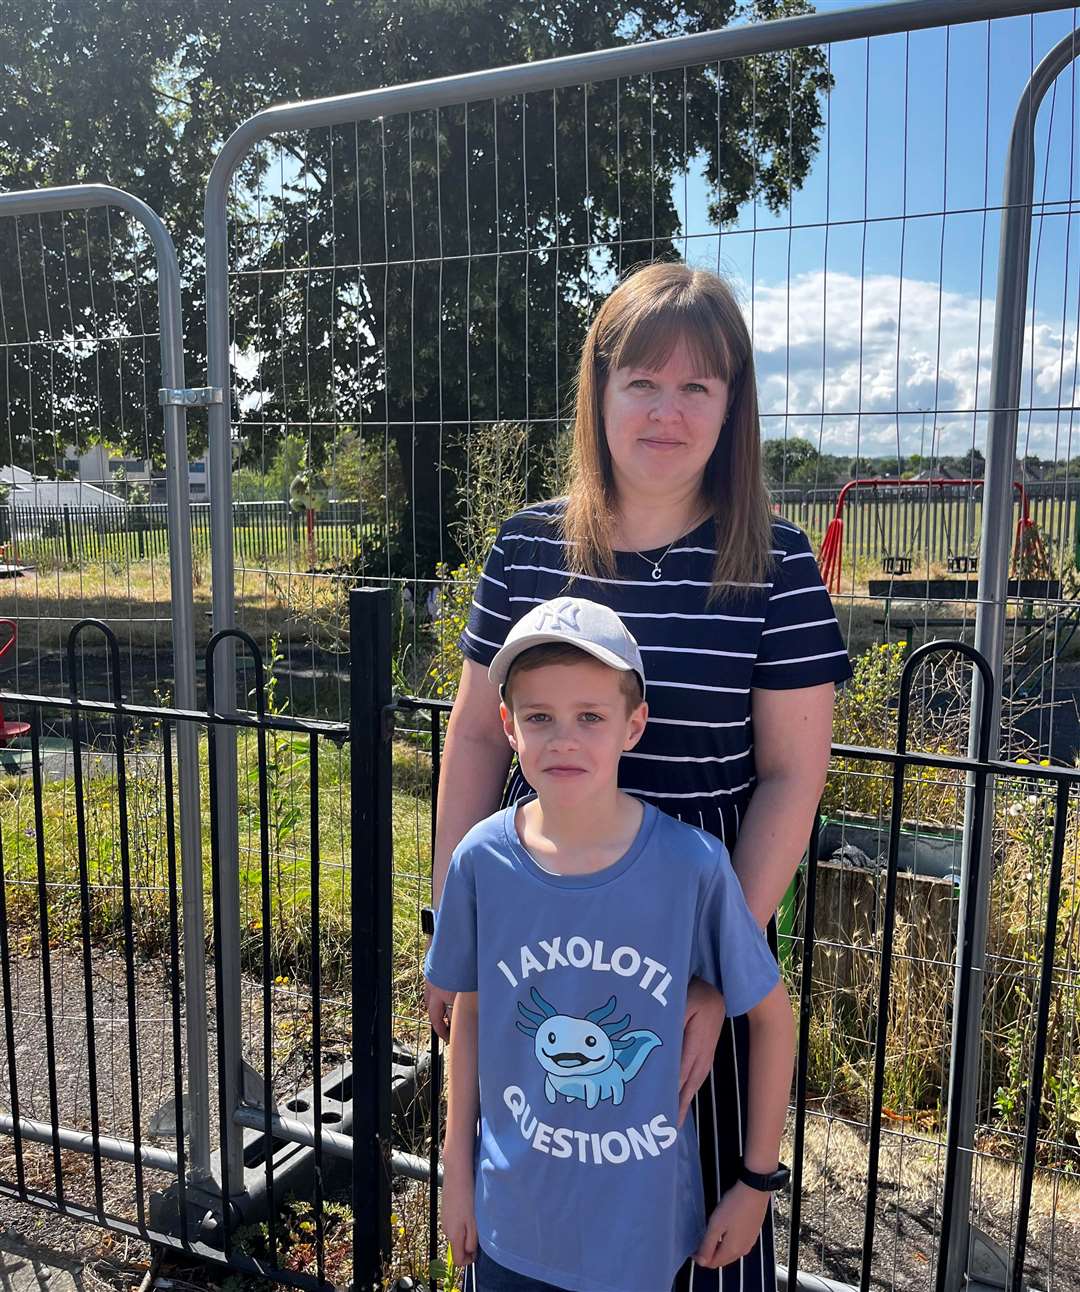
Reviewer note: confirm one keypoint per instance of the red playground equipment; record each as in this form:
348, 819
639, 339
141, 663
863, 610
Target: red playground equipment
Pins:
1029, 554
10, 730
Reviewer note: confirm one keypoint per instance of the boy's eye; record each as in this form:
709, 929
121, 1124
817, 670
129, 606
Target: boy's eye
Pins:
591, 717
537, 717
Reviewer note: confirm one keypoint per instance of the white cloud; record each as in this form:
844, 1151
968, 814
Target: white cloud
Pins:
832, 345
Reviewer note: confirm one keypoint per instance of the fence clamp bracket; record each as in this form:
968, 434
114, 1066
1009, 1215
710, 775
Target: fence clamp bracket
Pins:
189, 397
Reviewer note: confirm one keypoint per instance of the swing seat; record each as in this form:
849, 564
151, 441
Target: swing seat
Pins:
11, 730
962, 563
896, 565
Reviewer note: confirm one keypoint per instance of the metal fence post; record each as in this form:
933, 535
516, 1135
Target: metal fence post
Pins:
1006, 366
170, 327
227, 842
371, 927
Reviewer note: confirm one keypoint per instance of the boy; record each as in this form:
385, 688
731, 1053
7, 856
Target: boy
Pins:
570, 926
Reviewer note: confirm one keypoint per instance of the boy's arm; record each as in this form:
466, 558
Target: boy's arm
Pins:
463, 1086
462, 1111
734, 1226
772, 1060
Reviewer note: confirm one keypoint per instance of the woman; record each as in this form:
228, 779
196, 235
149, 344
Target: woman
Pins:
667, 521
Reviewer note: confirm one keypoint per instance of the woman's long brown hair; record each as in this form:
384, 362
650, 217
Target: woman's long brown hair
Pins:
639, 325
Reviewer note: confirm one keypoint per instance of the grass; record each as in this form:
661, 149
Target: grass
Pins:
290, 846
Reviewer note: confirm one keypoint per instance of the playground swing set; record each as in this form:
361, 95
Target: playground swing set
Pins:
1029, 579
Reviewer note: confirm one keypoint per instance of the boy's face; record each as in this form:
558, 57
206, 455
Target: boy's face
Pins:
569, 726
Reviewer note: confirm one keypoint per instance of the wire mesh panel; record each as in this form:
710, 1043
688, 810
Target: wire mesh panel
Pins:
82, 441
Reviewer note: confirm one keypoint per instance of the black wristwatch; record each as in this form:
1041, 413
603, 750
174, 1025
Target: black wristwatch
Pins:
427, 921
768, 1181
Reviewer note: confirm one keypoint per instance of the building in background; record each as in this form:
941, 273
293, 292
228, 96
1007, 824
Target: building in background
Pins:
100, 466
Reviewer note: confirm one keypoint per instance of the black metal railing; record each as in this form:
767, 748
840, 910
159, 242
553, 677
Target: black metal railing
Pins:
897, 764
95, 898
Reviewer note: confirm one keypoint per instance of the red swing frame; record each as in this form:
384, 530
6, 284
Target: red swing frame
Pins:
1028, 542
10, 730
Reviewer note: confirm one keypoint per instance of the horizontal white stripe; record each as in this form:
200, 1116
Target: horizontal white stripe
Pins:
800, 556
798, 592
648, 614
672, 758
635, 583
695, 650
808, 623
801, 659
704, 794
544, 515
483, 640
534, 538
495, 581
690, 722
486, 611
698, 686
782, 524
562, 542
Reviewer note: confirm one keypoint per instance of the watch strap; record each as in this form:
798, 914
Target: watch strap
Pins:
765, 1181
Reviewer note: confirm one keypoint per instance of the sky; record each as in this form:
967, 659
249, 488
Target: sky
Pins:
875, 291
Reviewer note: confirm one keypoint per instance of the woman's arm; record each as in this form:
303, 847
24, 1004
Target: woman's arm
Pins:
462, 1110
735, 1224
476, 758
792, 739
475, 761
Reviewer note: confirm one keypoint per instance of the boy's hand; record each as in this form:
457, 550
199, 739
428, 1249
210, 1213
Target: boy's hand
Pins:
733, 1227
705, 1013
459, 1211
439, 1004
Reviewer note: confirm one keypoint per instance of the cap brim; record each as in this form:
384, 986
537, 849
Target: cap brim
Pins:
500, 665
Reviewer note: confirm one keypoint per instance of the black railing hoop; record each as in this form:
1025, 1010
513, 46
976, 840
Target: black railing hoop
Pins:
235, 634
114, 659
941, 648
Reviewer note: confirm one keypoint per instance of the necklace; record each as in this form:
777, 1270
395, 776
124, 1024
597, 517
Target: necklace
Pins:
657, 573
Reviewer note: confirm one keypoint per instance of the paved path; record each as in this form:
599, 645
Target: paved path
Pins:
37, 1269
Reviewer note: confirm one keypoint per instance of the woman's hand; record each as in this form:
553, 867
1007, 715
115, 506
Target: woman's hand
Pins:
458, 1210
705, 1014
439, 1005
733, 1227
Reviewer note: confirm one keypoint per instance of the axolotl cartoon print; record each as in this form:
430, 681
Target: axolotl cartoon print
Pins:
585, 1058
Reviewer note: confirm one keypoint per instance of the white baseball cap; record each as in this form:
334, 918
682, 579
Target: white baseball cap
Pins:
589, 626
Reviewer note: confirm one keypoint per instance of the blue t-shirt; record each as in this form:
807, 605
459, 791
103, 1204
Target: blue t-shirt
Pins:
582, 1178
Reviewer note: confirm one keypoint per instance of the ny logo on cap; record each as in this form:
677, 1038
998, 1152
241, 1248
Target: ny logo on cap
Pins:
559, 616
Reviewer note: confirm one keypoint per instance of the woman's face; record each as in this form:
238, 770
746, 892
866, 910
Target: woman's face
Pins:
662, 426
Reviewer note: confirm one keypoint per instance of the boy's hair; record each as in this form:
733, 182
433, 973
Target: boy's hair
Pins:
566, 653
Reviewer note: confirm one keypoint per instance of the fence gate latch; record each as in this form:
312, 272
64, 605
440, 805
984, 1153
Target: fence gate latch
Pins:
189, 396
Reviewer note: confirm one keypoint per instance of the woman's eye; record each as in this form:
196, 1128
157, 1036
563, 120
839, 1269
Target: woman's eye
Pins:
641, 383
695, 387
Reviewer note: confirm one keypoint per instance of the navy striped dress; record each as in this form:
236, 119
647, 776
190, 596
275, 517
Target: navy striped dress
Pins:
696, 757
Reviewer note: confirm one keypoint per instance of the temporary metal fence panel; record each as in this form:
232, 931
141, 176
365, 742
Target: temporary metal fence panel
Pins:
80, 363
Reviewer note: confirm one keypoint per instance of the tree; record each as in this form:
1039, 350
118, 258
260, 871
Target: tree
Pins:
361, 472
789, 461
465, 234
